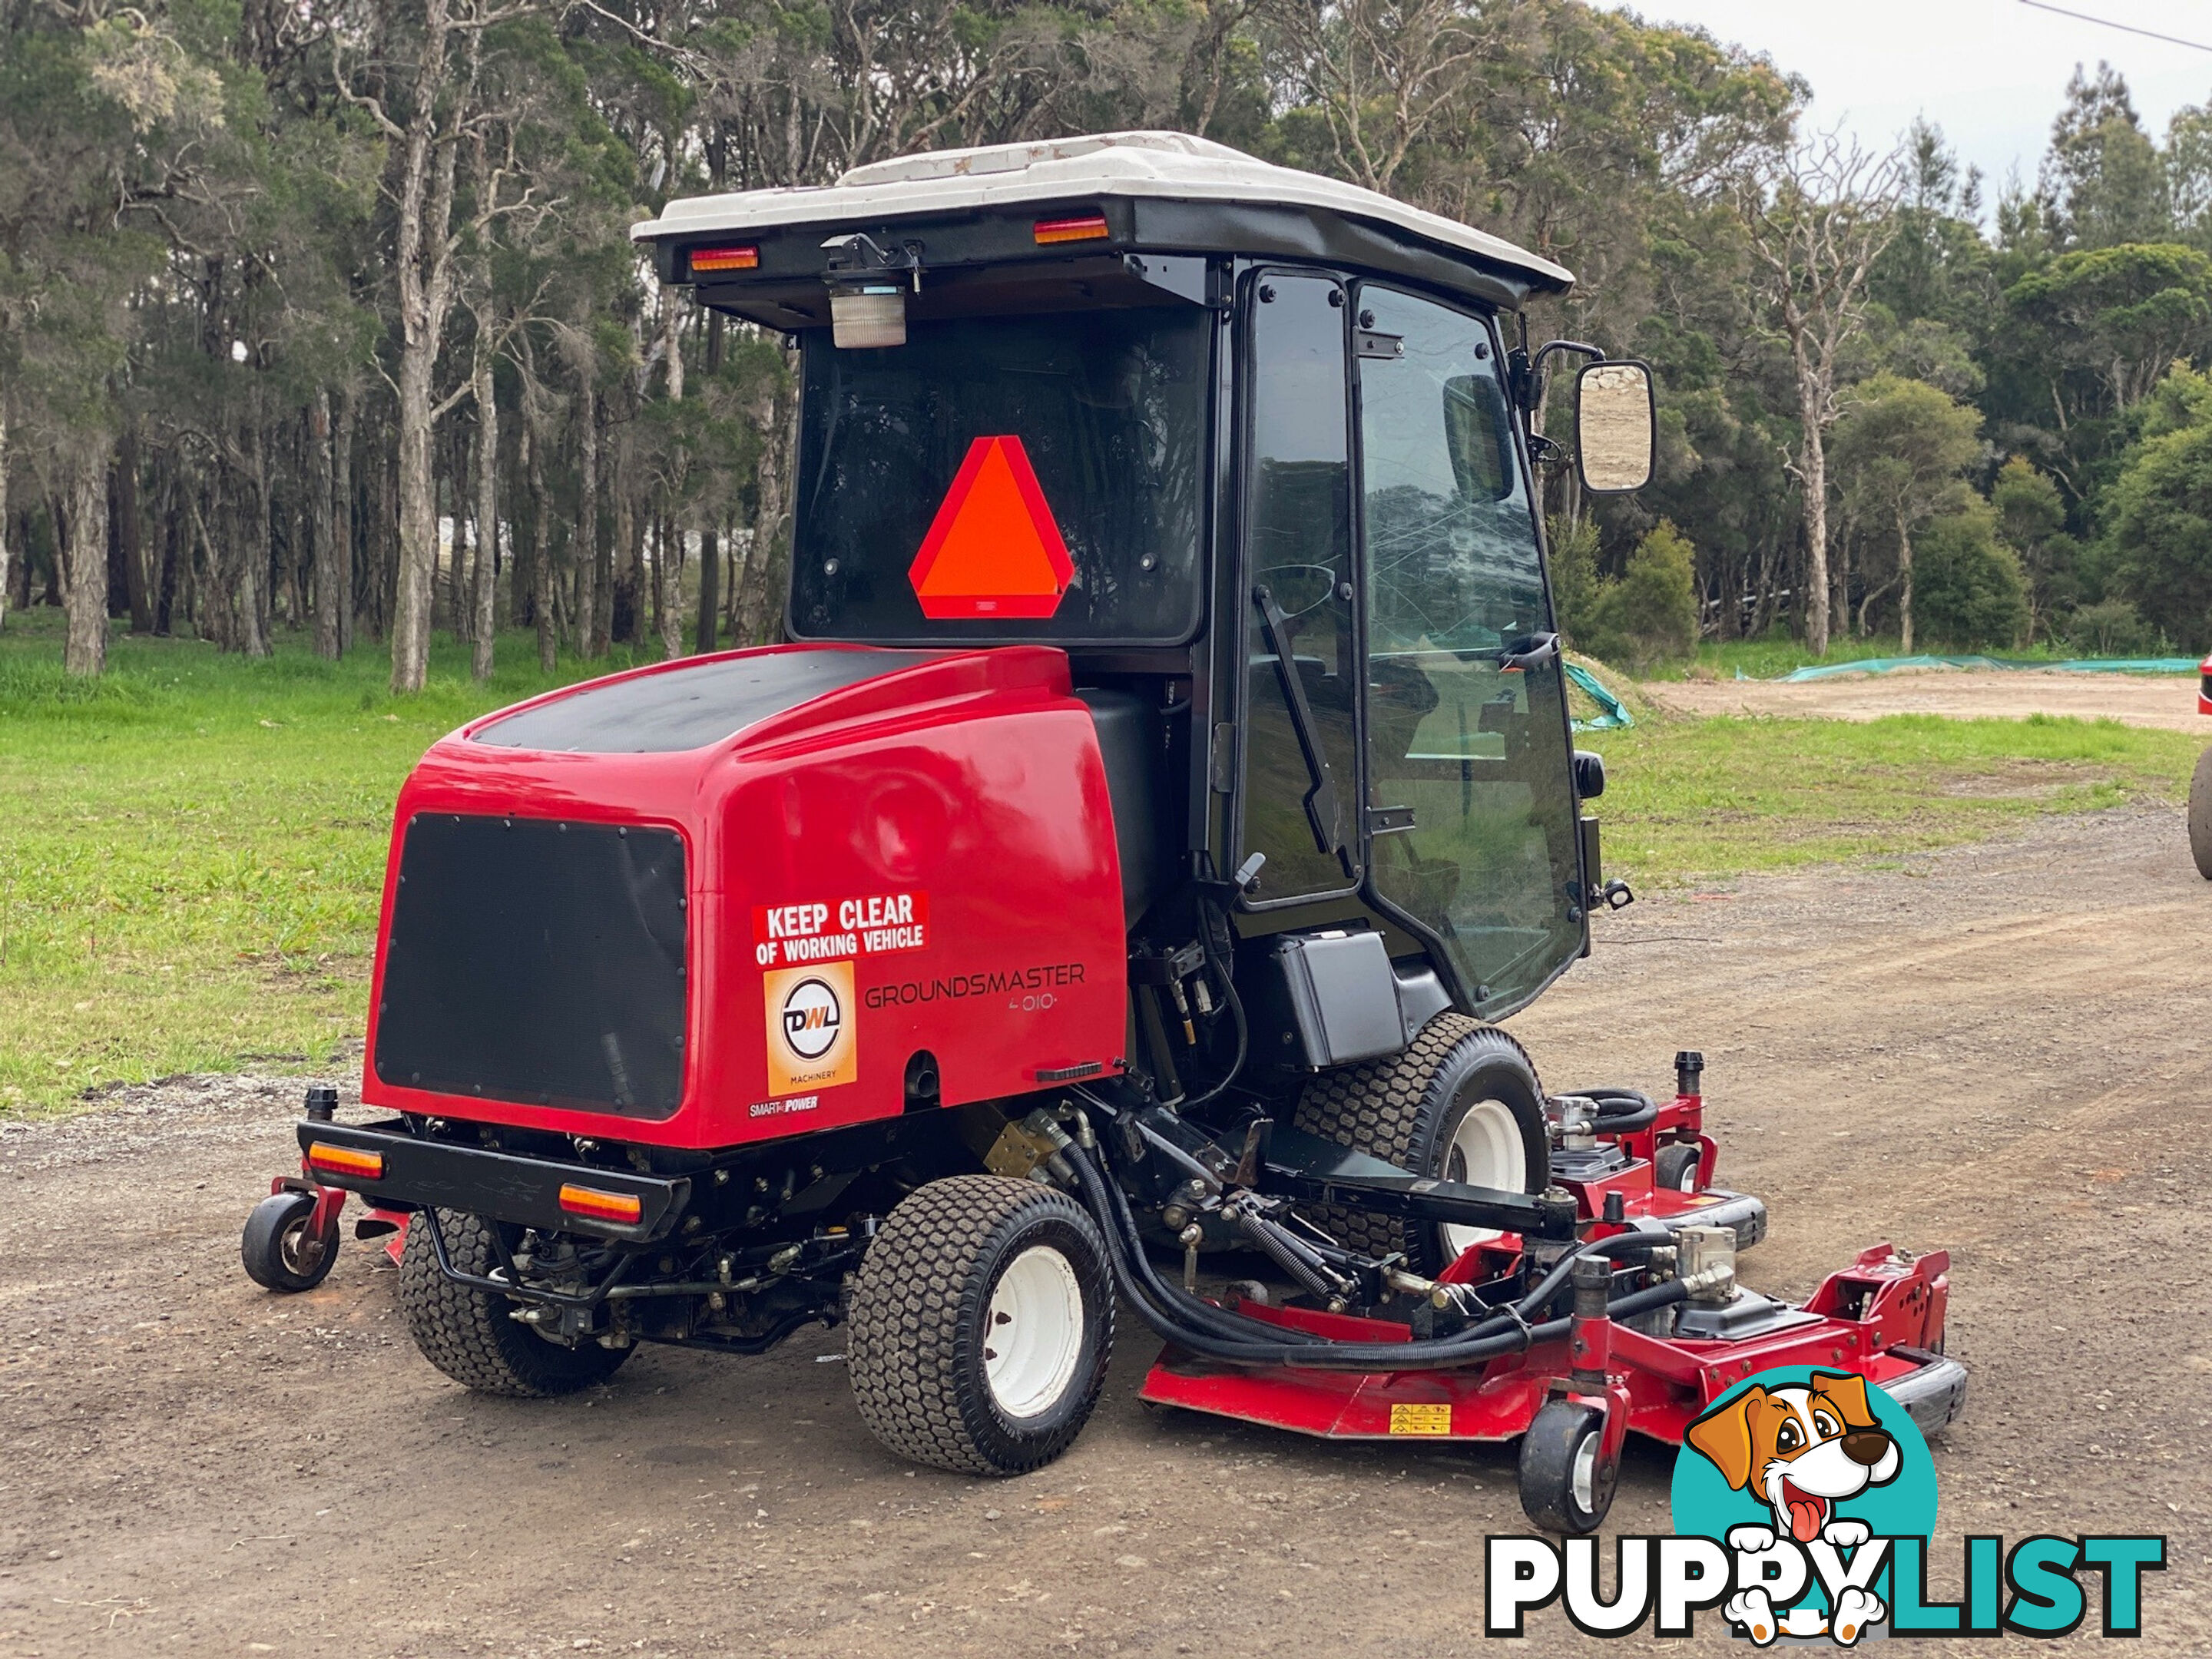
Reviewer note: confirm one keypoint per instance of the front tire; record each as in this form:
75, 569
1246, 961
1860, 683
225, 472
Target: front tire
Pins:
2200, 815
1462, 1103
470, 1335
982, 1326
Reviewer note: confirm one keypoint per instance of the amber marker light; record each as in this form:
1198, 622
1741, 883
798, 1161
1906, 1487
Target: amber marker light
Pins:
624, 1207
345, 1161
1090, 227
724, 258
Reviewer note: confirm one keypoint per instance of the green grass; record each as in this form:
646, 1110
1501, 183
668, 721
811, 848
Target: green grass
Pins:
1688, 798
1779, 654
192, 849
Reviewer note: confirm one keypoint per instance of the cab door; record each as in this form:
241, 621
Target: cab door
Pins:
1300, 795
1469, 761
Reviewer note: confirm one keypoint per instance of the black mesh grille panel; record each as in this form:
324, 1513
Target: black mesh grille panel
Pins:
538, 962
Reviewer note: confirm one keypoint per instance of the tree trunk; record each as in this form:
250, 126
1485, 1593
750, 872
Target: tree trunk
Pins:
586, 539
84, 563
342, 517
173, 546
1904, 582
1813, 465
487, 518
668, 589
541, 558
5, 572
260, 555
130, 531
625, 616
332, 583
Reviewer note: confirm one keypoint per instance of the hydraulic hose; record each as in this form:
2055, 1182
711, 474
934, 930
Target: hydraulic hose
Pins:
1619, 1111
1214, 1334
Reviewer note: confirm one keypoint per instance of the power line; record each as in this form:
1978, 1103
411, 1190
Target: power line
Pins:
2125, 29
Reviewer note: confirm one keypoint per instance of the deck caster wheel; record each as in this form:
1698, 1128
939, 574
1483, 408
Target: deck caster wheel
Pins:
1676, 1168
279, 1252
1566, 1482
982, 1322
2200, 815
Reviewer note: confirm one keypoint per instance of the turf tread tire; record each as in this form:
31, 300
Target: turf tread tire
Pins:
2200, 815
467, 1333
1380, 1109
918, 1306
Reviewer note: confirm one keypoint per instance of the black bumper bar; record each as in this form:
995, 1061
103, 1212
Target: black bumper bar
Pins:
419, 1174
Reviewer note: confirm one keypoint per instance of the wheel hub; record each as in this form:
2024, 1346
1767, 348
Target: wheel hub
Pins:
1034, 1335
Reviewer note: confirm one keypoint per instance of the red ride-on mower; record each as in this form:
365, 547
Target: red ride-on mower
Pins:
1166, 786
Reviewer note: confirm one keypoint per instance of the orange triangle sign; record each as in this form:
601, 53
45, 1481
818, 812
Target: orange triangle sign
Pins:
993, 550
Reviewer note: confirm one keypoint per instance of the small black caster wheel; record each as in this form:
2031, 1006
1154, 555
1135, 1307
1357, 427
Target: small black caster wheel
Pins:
1676, 1168
1566, 1484
279, 1252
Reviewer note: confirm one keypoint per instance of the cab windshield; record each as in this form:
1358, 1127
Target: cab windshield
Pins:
1110, 408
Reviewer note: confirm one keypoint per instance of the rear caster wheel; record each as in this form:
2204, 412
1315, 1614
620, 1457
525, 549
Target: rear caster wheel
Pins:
1566, 1484
982, 1322
279, 1252
1676, 1168
470, 1334
2200, 815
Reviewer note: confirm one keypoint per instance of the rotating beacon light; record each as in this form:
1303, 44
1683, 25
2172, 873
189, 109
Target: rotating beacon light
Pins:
868, 286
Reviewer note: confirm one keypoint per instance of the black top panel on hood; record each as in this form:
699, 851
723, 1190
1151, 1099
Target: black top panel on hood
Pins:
688, 707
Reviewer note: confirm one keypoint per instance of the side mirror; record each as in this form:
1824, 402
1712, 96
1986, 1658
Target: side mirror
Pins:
1616, 427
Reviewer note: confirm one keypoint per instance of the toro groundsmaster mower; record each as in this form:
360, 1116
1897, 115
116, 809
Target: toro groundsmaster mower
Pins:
1165, 788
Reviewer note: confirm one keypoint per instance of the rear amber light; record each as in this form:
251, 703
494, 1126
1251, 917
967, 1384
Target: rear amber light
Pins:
1088, 228
724, 258
345, 1160
624, 1207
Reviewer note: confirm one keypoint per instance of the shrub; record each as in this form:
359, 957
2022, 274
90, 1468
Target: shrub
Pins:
2112, 627
1650, 613
1968, 591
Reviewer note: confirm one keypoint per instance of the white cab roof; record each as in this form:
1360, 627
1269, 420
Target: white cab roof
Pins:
1166, 166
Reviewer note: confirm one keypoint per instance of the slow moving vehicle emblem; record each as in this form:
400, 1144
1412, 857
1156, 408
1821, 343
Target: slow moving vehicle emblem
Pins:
995, 549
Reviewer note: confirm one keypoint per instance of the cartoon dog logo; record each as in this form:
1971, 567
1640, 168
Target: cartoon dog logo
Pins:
1800, 1450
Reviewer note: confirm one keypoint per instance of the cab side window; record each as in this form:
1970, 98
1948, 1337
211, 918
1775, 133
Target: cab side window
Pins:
1301, 793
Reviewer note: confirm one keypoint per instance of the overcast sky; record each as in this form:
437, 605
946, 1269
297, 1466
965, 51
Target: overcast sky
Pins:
1990, 72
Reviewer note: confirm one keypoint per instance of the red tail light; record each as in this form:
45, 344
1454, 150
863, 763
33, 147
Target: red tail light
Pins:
1090, 227
724, 258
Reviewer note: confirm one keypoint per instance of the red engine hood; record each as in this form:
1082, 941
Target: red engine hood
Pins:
822, 792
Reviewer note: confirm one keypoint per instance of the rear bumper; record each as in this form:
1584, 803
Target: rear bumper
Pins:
419, 1174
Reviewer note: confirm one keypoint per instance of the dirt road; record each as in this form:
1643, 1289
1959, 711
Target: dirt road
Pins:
2166, 700
2008, 1049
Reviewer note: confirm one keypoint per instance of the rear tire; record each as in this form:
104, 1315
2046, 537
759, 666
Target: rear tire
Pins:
277, 1250
1566, 1485
2200, 815
1462, 1103
468, 1333
982, 1326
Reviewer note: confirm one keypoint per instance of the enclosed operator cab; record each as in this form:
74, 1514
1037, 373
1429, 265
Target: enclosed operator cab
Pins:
1251, 448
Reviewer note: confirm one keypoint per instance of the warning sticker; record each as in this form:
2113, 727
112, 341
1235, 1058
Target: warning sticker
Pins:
811, 1040
1420, 1420
877, 924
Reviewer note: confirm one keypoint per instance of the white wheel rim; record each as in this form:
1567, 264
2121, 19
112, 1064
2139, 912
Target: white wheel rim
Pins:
1034, 1333
1582, 1484
1485, 1151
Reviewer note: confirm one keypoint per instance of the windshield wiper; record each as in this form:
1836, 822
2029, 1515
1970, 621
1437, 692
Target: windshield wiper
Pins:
1323, 815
